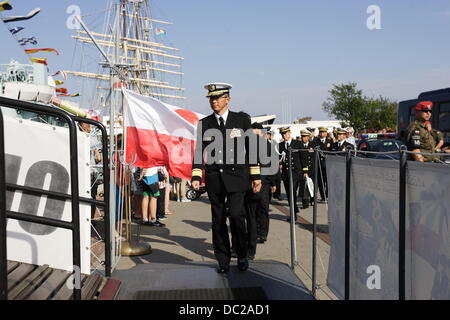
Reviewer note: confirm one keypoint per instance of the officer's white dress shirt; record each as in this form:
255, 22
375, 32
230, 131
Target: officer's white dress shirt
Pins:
224, 117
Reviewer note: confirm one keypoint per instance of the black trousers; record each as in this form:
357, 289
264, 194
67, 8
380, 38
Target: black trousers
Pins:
251, 208
262, 211
277, 193
295, 178
323, 182
256, 217
221, 240
303, 192
160, 212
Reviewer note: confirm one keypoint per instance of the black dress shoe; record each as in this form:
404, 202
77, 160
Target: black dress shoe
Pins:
223, 270
242, 264
260, 240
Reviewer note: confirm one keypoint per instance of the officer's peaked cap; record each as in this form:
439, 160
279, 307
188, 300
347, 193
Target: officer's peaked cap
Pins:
305, 133
217, 89
284, 130
257, 125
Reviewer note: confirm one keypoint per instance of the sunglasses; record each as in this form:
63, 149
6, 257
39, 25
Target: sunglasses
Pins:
426, 111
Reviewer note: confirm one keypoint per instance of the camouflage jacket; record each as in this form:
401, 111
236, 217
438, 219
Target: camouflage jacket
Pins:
418, 137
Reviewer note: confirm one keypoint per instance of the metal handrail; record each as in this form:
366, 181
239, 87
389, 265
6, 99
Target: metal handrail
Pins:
292, 198
3, 246
106, 199
402, 227
348, 168
75, 201
314, 244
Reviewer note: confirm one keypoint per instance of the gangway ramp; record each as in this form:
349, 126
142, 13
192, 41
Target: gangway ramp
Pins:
264, 280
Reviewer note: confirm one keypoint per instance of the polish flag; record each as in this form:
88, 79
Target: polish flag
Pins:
159, 134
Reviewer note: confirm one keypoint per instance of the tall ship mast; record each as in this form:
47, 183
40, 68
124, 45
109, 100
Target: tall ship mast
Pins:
152, 65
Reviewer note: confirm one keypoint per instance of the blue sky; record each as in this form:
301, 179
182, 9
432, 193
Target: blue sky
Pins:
283, 56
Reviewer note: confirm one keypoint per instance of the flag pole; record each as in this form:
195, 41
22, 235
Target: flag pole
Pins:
114, 69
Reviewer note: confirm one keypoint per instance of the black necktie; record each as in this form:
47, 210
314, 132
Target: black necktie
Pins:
222, 124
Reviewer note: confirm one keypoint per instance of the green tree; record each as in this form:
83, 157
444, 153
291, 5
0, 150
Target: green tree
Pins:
348, 104
382, 113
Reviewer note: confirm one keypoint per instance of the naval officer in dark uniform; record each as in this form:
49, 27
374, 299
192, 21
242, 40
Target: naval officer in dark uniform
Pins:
277, 193
341, 144
223, 151
299, 165
322, 142
308, 154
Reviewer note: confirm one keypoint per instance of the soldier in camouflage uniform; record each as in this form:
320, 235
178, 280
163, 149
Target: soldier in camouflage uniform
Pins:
418, 136
438, 136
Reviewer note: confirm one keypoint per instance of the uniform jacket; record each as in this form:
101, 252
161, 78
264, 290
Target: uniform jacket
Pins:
222, 162
326, 146
267, 174
345, 146
417, 136
308, 155
299, 159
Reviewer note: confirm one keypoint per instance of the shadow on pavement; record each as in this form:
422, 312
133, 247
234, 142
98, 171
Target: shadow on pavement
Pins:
205, 226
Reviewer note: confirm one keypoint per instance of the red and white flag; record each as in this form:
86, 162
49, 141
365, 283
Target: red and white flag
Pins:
159, 134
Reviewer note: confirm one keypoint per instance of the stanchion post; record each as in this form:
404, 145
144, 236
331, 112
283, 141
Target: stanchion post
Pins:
314, 244
292, 213
402, 228
348, 161
3, 238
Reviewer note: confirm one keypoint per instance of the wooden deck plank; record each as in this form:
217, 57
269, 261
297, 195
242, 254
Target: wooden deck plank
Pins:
27, 281
53, 284
90, 288
12, 265
64, 293
18, 274
31, 282
110, 290
34, 284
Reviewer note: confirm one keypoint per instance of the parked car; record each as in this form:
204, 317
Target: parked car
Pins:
380, 143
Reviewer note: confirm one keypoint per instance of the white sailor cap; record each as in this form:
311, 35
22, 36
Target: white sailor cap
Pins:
217, 89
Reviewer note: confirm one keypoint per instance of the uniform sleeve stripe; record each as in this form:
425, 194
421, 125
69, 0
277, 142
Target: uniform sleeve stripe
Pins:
196, 172
255, 170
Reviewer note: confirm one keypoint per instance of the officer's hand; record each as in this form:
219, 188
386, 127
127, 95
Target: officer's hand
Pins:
256, 186
196, 185
274, 188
